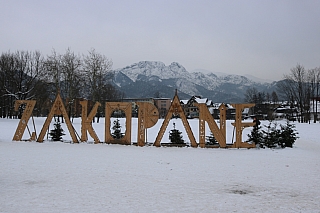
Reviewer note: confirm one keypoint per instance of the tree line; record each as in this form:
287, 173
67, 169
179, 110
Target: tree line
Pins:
26, 75
300, 89
252, 95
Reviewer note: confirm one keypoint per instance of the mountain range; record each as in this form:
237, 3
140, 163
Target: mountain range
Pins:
154, 79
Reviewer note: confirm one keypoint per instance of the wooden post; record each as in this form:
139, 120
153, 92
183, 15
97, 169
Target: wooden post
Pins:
223, 117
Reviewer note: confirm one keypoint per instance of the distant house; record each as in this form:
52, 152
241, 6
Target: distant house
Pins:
134, 103
263, 110
315, 108
285, 112
231, 112
290, 111
163, 105
214, 110
190, 110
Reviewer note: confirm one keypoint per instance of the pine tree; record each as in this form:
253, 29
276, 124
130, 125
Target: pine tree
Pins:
271, 137
57, 133
211, 140
256, 136
175, 135
116, 134
274, 137
288, 135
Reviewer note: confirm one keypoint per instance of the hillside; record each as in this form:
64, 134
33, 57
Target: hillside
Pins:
146, 78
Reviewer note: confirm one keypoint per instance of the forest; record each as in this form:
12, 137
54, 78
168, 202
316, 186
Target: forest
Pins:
26, 75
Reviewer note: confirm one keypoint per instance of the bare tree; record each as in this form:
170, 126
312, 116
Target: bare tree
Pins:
275, 100
317, 91
71, 78
295, 87
97, 71
314, 81
274, 97
27, 75
53, 67
268, 97
261, 97
20, 73
6, 70
251, 95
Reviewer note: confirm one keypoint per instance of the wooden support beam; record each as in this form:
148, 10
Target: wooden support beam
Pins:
148, 116
175, 109
223, 117
58, 109
24, 119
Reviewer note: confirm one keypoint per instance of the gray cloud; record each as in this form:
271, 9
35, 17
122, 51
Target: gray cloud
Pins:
261, 38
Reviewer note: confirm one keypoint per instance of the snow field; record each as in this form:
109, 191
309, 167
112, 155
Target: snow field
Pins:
66, 177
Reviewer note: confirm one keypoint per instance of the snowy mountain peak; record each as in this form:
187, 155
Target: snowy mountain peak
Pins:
154, 68
253, 78
145, 78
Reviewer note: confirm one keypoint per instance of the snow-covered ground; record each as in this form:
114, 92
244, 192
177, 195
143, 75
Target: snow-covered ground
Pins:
66, 177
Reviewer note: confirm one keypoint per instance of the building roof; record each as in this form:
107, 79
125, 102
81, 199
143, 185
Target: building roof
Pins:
184, 101
201, 100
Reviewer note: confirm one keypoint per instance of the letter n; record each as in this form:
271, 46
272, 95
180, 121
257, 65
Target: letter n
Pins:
204, 115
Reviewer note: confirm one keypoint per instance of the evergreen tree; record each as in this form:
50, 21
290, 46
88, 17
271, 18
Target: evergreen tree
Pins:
117, 134
282, 137
211, 140
57, 133
271, 137
175, 135
256, 136
288, 135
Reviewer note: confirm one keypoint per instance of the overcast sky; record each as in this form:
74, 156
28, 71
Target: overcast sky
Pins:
262, 38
